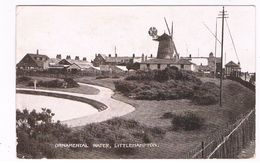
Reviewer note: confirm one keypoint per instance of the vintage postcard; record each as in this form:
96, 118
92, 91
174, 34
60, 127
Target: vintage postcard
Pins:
135, 82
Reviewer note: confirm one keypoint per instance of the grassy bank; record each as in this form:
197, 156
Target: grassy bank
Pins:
237, 100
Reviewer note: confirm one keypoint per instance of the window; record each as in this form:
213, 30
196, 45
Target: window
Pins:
159, 66
168, 65
148, 66
182, 65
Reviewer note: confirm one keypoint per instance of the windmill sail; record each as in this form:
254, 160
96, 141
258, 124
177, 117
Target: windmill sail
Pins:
167, 26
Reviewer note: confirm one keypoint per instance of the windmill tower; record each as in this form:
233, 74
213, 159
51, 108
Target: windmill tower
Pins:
166, 48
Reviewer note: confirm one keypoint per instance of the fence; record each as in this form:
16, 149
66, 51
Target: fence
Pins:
230, 142
243, 82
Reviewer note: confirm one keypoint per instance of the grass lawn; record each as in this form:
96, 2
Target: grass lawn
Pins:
107, 82
83, 89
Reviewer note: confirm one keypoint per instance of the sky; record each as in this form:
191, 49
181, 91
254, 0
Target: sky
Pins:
86, 30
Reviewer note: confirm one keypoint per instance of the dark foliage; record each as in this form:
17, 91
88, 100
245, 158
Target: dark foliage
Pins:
66, 83
23, 79
187, 121
71, 83
169, 73
133, 66
37, 134
168, 84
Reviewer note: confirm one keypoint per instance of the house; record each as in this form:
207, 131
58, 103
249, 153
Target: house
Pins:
52, 63
184, 64
101, 59
156, 64
32, 61
231, 68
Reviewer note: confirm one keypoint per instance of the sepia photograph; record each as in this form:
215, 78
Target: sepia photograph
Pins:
135, 82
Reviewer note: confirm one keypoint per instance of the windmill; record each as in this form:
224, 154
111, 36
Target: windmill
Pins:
166, 48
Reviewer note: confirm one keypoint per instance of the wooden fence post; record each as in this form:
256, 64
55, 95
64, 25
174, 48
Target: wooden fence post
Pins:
202, 149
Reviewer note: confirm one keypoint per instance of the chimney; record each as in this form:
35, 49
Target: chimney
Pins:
76, 58
68, 57
151, 56
116, 55
37, 51
134, 55
143, 57
109, 55
96, 55
84, 59
238, 64
190, 56
146, 58
58, 56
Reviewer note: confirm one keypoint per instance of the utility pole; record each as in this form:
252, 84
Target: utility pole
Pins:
216, 36
222, 44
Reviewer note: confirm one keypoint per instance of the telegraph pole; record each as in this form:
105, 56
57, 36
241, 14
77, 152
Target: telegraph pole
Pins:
216, 34
222, 43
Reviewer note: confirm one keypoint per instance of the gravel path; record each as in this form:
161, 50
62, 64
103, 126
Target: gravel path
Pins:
115, 108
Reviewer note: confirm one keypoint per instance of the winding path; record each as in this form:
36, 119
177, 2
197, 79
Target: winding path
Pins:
115, 108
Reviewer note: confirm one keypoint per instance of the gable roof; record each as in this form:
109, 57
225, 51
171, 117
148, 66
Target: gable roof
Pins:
80, 63
103, 56
37, 59
184, 62
231, 64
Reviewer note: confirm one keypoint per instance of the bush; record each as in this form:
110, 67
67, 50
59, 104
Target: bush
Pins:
71, 83
124, 87
187, 121
23, 79
50, 84
67, 83
36, 134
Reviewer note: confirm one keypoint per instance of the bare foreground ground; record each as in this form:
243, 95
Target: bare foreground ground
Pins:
237, 100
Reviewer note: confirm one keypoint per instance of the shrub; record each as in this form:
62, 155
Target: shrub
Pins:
124, 87
187, 121
71, 83
36, 134
50, 84
102, 77
23, 79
